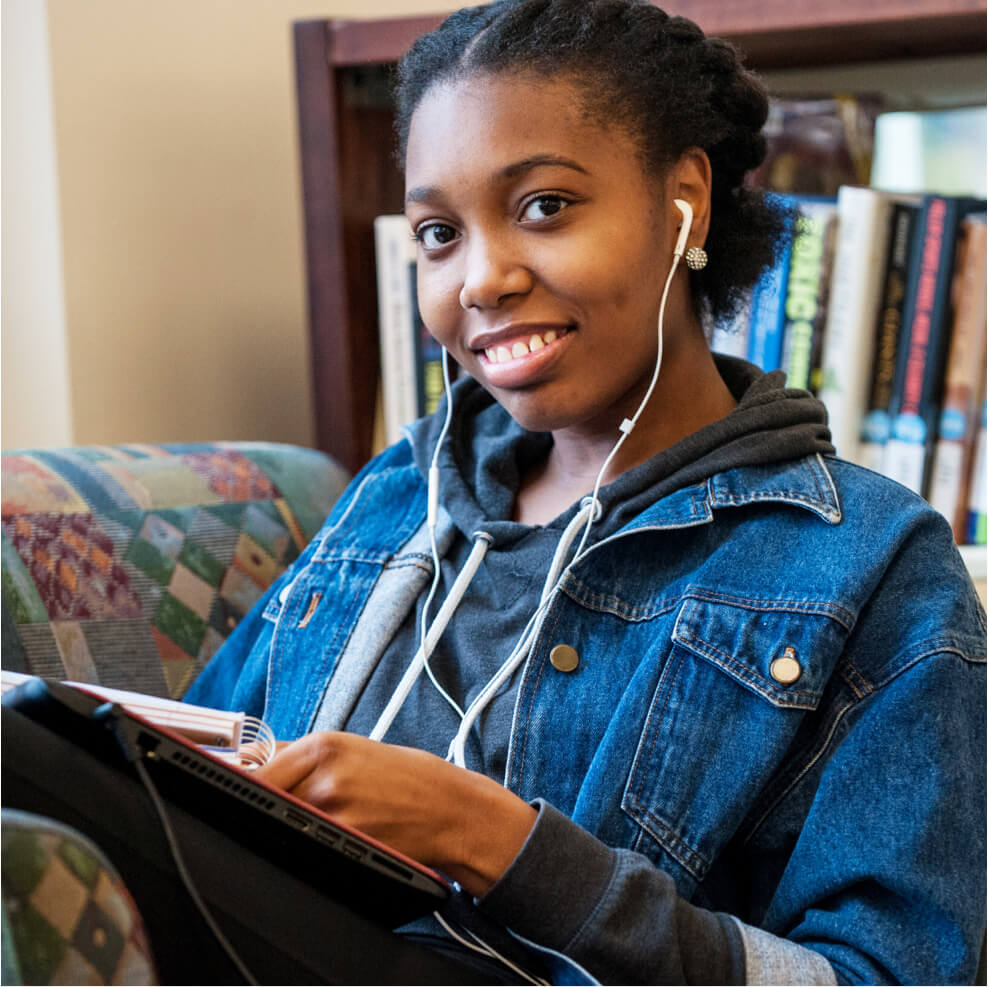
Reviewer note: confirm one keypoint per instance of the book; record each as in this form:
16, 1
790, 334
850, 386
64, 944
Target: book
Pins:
765, 316
245, 741
963, 380
876, 424
805, 309
766, 313
428, 362
914, 408
860, 249
977, 528
395, 255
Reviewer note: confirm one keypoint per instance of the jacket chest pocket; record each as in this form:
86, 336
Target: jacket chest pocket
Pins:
738, 679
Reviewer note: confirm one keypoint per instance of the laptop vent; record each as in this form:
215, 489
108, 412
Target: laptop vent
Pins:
231, 782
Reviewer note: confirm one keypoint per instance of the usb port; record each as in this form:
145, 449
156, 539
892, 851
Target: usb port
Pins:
353, 850
297, 819
327, 835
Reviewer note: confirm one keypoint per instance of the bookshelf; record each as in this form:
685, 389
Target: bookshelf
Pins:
349, 176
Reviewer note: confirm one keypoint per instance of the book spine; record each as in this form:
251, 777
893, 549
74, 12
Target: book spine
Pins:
805, 303
863, 217
963, 380
768, 313
876, 424
978, 500
915, 404
393, 247
429, 386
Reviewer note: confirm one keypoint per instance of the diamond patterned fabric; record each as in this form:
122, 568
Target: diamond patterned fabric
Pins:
130, 565
67, 917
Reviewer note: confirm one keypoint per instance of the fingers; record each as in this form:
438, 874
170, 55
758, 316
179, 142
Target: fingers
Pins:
296, 761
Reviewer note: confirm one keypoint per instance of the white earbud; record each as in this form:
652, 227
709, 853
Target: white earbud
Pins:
684, 232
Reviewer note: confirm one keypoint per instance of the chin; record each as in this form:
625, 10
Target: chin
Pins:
536, 416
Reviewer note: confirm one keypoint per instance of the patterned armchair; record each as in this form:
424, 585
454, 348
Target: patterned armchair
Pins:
128, 566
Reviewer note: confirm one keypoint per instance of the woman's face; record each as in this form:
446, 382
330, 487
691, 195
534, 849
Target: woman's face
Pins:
543, 247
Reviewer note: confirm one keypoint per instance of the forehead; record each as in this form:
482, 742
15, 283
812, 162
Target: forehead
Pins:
482, 124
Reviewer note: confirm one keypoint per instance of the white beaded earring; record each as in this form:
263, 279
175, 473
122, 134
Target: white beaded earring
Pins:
696, 258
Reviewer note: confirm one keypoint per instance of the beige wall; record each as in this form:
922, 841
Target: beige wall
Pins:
180, 221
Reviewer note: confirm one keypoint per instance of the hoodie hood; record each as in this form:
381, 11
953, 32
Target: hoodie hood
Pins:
487, 453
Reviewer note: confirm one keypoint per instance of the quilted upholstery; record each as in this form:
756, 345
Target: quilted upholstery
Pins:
67, 917
130, 565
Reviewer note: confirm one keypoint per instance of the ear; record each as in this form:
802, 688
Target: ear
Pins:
690, 179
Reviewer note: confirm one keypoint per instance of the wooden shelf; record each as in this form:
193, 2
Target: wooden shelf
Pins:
349, 176
772, 33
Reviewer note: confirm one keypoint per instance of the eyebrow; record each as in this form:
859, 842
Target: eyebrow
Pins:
427, 192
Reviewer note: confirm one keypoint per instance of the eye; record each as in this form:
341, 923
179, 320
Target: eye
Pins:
432, 236
543, 207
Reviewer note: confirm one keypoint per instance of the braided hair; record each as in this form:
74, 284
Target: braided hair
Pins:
656, 76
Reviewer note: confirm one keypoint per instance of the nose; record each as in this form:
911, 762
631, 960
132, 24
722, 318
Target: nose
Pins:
494, 271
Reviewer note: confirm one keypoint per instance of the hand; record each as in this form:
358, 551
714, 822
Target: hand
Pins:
457, 821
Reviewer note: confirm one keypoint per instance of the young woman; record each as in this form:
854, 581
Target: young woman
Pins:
702, 702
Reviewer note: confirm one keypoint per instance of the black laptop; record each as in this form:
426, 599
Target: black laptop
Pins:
295, 891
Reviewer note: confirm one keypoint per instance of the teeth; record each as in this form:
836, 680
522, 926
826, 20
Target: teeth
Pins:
518, 349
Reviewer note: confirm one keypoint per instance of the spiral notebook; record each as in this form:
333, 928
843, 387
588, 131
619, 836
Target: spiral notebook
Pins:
242, 740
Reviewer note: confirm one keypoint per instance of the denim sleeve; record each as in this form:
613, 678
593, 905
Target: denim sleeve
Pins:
887, 876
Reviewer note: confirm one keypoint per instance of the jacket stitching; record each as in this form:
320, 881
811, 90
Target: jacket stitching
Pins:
933, 650
531, 702
855, 680
791, 697
816, 608
579, 594
821, 750
673, 844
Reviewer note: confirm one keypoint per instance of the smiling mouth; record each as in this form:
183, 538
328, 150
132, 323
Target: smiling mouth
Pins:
505, 352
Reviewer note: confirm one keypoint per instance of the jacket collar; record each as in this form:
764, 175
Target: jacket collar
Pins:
805, 483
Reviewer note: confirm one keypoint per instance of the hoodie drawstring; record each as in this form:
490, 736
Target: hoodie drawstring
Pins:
589, 511
452, 601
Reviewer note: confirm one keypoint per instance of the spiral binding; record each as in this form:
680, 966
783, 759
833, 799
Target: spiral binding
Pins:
257, 743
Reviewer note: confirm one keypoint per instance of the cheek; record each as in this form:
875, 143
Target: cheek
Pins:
439, 305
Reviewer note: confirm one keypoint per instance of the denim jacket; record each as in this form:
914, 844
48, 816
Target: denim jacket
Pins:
779, 706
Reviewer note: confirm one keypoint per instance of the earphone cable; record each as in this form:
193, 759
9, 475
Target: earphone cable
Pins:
432, 519
489, 951
628, 424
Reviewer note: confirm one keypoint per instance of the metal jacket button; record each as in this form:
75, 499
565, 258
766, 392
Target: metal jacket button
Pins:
564, 658
786, 668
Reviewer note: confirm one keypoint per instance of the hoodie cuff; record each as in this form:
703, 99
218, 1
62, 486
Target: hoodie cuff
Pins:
612, 911
542, 895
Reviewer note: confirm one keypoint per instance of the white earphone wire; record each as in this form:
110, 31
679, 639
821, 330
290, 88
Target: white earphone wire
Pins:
432, 519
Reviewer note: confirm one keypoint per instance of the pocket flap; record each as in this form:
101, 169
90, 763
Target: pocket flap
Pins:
780, 649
